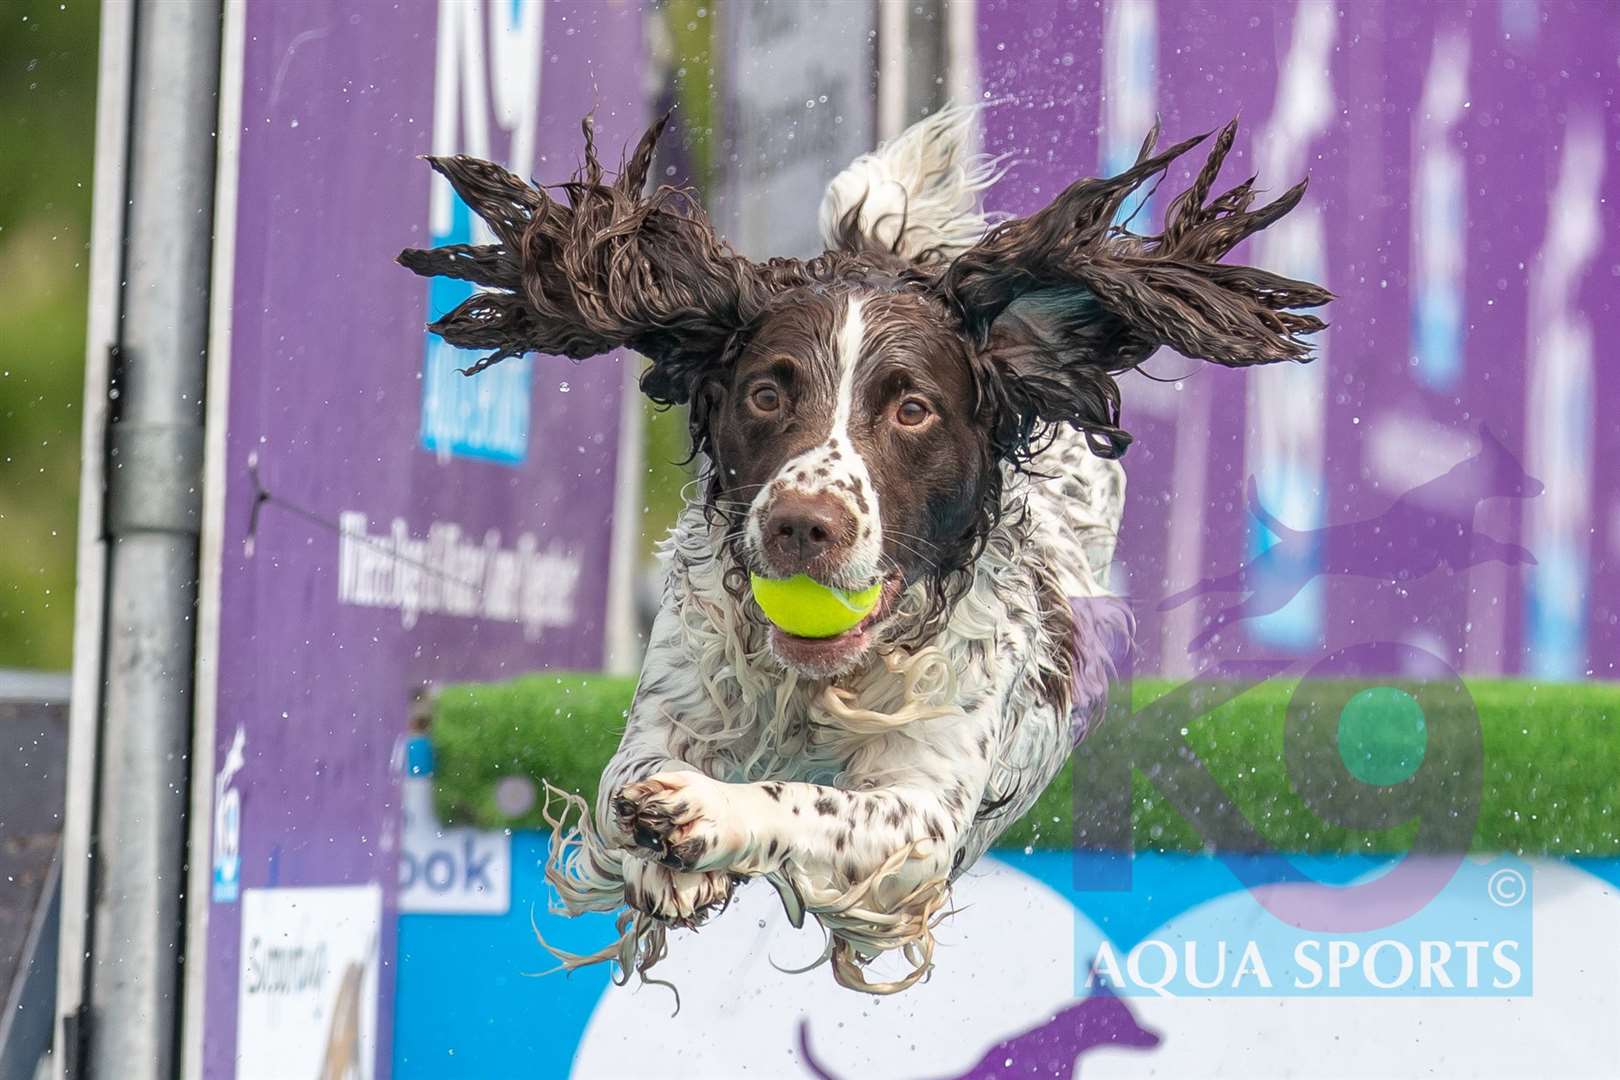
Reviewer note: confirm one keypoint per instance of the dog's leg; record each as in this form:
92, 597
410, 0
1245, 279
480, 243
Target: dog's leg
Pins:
1480, 548
920, 796
1217, 625
835, 837
1226, 583
684, 898
663, 889
605, 868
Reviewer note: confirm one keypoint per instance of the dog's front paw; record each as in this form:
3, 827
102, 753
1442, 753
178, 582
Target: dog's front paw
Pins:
682, 819
678, 897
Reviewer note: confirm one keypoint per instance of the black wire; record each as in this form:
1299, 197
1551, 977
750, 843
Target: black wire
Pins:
262, 495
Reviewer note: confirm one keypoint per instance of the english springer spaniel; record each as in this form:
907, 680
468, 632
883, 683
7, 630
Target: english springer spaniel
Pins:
929, 404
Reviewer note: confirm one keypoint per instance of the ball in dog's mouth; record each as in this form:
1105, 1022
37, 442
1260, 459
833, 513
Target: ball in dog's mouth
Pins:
827, 656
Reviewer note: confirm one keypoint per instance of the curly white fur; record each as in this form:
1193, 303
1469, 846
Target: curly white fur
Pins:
919, 191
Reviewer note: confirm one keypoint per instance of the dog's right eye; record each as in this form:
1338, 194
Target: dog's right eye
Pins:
765, 399
913, 412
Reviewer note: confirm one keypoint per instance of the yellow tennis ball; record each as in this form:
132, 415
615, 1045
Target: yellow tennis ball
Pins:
806, 608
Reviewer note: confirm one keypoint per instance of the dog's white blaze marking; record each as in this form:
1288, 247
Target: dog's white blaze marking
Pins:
866, 553
849, 356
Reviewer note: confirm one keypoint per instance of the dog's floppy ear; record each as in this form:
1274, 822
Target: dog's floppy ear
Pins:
608, 267
1060, 301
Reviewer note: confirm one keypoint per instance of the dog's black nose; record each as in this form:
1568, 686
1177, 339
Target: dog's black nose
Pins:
804, 529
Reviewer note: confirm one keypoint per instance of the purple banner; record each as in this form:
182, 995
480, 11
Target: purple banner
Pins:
1440, 476
386, 523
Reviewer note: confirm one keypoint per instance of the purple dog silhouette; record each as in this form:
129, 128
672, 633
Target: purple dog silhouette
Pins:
1048, 1049
1429, 527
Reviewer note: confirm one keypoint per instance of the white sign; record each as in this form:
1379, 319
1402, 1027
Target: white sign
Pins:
307, 992
452, 572
456, 871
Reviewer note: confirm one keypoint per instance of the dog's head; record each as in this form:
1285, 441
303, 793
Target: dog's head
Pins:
846, 442
1504, 475
855, 411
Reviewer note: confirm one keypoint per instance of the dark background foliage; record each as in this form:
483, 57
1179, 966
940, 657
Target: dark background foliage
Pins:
47, 120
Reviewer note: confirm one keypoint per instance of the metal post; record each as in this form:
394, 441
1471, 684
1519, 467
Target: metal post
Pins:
914, 60
154, 481
89, 599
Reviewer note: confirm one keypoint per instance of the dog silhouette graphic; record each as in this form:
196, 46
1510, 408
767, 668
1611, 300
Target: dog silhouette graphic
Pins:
1049, 1049
1428, 528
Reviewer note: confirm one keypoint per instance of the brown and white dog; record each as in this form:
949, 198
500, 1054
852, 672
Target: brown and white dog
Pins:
931, 405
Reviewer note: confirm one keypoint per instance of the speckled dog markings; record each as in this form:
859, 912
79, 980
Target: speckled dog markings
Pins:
677, 817
674, 897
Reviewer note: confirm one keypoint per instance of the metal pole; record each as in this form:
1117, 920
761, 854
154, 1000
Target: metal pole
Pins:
154, 481
90, 586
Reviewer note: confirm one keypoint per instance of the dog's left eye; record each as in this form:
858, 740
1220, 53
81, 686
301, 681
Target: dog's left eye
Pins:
766, 399
912, 412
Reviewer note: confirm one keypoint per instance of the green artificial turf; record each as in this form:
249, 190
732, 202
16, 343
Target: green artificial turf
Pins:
1546, 764
561, 728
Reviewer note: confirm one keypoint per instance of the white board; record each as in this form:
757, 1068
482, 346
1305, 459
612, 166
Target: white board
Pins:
307, 992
